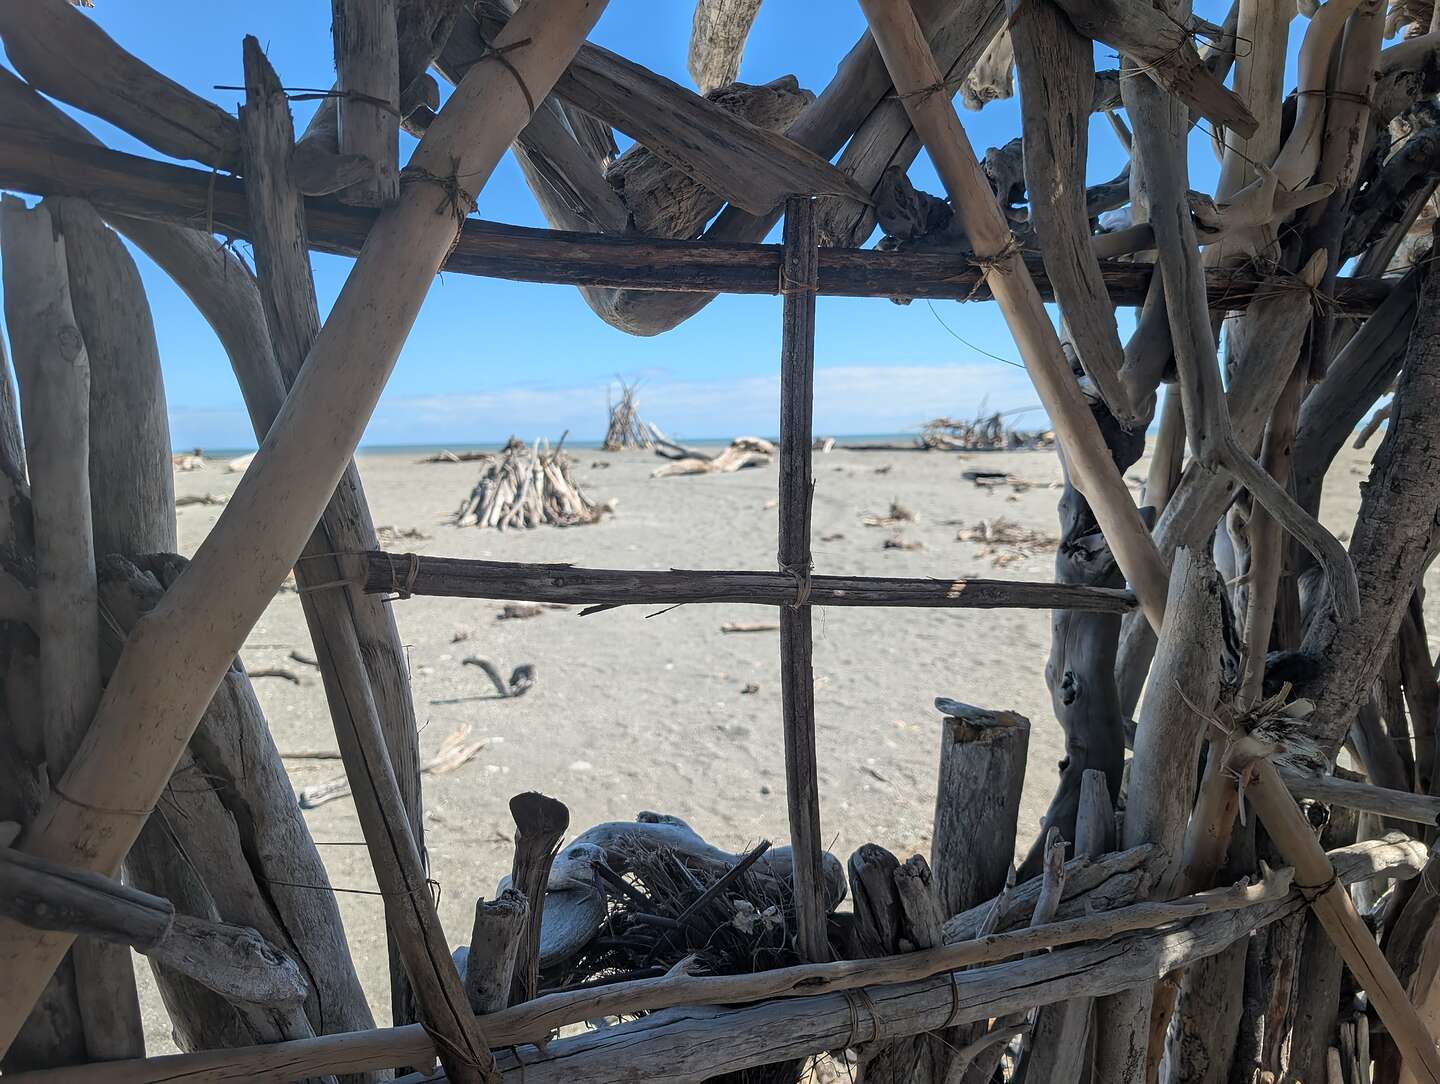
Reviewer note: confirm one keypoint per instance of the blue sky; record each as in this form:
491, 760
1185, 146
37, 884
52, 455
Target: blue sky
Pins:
488, 358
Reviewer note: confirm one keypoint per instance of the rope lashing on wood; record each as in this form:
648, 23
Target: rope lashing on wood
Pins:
854, 1001
78, 804
404, 589
1311, 893
801, 576
490, 52
788, 286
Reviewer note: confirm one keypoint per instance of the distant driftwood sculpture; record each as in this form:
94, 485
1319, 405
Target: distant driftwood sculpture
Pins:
1181, 916
527, 486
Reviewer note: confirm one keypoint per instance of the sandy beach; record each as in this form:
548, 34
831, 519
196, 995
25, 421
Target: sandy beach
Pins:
634, 710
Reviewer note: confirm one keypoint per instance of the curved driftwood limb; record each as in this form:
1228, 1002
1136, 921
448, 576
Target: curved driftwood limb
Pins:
1056, 72
234, 961
665, 201
146, 719
913, 69
992, 77
1275, 327
717, 41
1300, 153
1160, 45
540, 824
1159, 137
367, 62
1394, 539
748, 166
66, 55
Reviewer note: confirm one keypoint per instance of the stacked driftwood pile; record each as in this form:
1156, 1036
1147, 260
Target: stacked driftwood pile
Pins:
1211, 898
984, 433
625, 428
526, 486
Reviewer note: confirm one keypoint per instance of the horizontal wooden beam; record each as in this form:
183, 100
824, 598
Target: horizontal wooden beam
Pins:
136, 187
1100, 941
604, 588
1400, 804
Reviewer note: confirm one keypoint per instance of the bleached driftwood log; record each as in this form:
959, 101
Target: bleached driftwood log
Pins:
717, 41
53, 372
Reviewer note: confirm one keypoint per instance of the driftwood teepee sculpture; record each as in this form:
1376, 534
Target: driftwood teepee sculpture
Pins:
625, 428
1219, 632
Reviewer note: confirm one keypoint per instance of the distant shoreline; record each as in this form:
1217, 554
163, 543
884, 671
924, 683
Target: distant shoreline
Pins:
583, 445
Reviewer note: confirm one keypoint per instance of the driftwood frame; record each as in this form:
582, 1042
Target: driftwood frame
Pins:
340, 188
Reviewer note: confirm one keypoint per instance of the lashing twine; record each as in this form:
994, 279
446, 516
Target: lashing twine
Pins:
55, 789
801, 575
788, 286
854, 999
403, 589
1311, 893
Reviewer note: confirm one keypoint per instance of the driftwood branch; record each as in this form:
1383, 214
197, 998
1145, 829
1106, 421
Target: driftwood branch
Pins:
234, 961
140, 188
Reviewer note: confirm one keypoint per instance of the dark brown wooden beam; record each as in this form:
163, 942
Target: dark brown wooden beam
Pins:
125, 184
378, 572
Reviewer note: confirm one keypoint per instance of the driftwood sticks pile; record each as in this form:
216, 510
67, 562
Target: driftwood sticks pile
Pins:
1181, 916
527, 486
625, 428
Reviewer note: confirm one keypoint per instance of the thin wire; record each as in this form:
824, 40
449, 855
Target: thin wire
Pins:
967, 342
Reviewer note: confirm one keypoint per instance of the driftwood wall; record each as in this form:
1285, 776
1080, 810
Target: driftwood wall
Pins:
1211, 892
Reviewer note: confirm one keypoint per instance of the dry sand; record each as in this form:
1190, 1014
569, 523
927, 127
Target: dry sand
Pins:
636, 710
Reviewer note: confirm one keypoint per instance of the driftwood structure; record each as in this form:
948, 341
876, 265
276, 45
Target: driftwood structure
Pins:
1224, 903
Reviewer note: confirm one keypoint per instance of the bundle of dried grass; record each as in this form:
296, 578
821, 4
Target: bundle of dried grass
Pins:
625, 430
525, 486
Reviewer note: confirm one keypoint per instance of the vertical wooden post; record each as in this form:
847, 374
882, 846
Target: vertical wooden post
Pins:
367, 66
53, 368
798, 272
